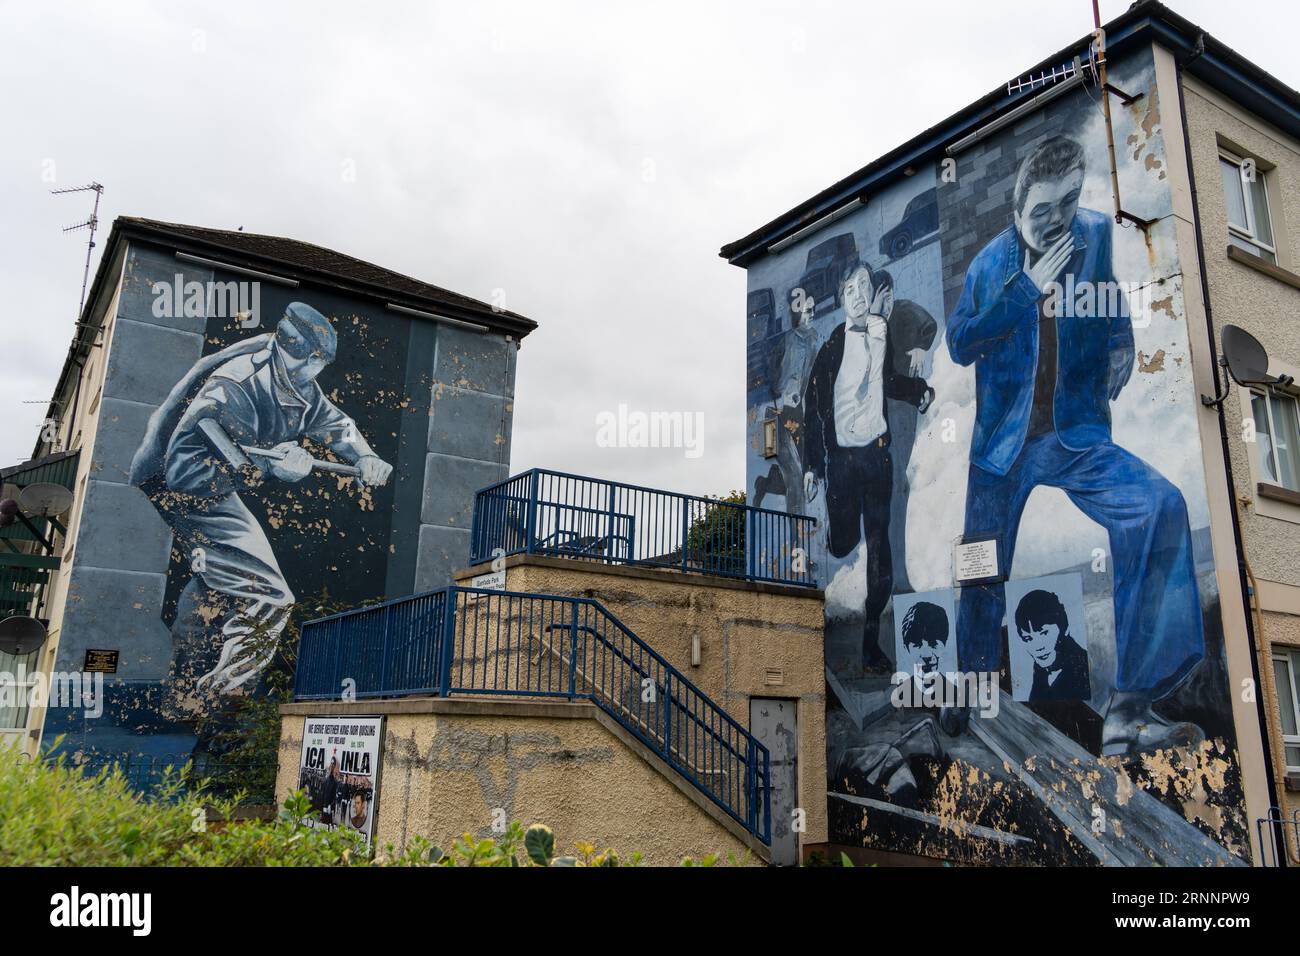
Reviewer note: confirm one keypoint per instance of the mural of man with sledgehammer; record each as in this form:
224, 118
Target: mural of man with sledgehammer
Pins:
236, 418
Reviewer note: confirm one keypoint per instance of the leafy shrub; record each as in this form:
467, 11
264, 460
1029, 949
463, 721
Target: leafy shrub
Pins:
54, 814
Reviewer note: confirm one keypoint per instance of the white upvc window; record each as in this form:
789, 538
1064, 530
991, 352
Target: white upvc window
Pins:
17, 677
1286, 666
1245, 191
1277, 436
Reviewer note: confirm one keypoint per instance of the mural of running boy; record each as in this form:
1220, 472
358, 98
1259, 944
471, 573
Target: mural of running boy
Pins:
1045, 379
233, 420
848, 436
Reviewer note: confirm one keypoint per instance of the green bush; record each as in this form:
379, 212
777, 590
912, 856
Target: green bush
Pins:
55, 814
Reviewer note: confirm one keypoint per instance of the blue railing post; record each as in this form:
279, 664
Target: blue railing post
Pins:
609, 549
668, 717
573, 648
748, 522
383, 657
530, 525
686, 525
475, 522
448, 638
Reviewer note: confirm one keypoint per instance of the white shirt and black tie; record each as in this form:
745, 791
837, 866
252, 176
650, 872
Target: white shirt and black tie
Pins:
860, 386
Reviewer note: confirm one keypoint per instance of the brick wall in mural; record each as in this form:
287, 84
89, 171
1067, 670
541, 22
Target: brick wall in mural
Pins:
983, 392
317, 450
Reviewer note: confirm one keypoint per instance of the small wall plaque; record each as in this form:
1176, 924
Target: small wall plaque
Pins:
496, 580
100, 661
976, 562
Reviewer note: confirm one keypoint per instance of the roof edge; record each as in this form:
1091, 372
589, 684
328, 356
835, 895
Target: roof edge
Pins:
509, 323
127, 228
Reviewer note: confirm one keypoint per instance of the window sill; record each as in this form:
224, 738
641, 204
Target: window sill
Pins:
1237, 254
1278, 493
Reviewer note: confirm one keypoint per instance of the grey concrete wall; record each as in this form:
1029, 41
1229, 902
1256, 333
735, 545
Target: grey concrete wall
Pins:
123, 547
470, 419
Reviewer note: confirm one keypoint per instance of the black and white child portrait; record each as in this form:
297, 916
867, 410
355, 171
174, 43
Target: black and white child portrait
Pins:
1047, 640
925, 643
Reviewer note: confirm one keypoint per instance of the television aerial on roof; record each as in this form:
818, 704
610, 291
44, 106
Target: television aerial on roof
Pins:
1077, 73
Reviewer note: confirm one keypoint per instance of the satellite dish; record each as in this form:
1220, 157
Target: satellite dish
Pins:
45, 499
21, 635
1247, 363
1245, 358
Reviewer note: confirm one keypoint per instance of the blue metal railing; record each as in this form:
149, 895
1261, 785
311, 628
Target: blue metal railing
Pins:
549, 512
508, 643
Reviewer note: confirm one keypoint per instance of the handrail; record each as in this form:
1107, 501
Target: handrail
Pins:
464, 640
546, 512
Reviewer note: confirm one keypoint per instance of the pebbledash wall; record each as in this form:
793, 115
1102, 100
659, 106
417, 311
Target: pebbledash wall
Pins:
431, 399
1116, 735
450, 762
1265, 304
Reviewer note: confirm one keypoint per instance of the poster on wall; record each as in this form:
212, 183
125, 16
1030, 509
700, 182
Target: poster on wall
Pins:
339, 771
983, 393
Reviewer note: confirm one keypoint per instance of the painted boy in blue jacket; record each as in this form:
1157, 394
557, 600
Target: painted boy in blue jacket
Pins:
1045, 374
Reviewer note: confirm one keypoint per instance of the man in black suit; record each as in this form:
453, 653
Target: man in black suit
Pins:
1060, 664
847, 436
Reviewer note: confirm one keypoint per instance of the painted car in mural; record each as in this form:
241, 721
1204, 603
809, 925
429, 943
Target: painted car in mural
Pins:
994, 387
233, 422
920, 223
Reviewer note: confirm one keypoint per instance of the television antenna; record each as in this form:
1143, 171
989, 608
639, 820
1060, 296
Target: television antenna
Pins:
1043, 78
1077, 72
92, 224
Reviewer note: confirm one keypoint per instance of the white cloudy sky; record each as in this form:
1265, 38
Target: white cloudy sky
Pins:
587, 158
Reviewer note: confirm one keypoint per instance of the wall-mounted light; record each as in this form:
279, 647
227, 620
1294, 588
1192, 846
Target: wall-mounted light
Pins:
824, 221
434, 317
769, 438
238, 270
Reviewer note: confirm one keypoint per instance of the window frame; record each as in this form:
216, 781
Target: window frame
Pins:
1251, 232
1288, 657
29, 682
1273, 465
